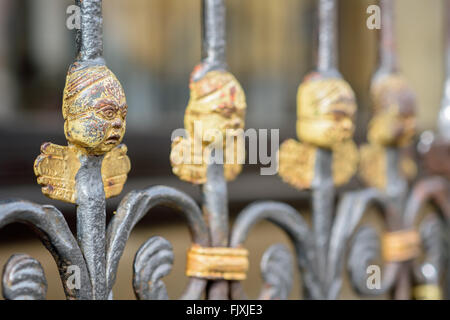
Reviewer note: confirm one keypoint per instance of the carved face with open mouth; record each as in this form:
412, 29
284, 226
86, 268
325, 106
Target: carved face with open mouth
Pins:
325, 111
94, 109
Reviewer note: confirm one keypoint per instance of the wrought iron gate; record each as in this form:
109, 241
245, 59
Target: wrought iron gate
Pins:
94, 166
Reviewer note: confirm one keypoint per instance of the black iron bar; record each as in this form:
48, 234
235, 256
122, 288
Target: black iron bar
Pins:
215, 199
327, 49
322, 185
91, 203
89, 37
213, 37
387, 55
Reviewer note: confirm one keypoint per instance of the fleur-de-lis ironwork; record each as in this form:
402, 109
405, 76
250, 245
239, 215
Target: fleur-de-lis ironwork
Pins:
94, 166
385, 165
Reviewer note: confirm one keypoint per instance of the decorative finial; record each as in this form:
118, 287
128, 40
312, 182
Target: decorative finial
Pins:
216, 110
326, 108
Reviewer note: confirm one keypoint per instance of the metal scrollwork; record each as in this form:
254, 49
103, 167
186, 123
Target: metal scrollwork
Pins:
131, 209
94, 166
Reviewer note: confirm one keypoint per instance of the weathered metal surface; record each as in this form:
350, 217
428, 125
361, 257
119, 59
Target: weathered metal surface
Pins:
91, 221
24, 279
55, 234
290, 221
133, 208
90, 35
277, 273
327, 48
152, 262
216, 215
213, 38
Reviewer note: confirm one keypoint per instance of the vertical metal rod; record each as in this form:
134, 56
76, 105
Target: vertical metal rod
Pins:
322, 185
396, 191
91, 203
387, 55
215, 211
396, 186
213, 37
444, 113
89, 37
322, 208
327, 51
215, 199
91, 221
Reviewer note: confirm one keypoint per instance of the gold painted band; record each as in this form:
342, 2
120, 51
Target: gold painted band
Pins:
217, 263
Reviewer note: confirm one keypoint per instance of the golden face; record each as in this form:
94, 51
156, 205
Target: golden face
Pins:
394, 105
217, 102
325, 111
94, 109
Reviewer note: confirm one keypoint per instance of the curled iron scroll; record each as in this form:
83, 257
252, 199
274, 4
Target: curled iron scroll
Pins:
290, 221
55, 234
131, 210
351, 209
24, 279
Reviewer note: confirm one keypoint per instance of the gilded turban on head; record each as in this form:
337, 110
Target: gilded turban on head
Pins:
218, 101
393, 124
94, 108
325, 111
216, 110
394, 106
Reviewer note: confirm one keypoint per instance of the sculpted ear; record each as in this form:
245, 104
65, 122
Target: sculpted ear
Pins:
66, 131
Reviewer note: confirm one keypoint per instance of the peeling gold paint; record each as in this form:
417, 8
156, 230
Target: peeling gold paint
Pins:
57, 166
297, 162
216, 105
325, 111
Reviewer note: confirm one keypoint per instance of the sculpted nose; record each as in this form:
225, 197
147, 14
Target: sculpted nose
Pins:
117, 123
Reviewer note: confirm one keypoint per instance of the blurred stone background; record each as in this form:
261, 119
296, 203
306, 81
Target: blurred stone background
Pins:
152, 46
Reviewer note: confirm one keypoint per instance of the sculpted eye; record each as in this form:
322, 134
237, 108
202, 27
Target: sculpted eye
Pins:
108, 112
124, 113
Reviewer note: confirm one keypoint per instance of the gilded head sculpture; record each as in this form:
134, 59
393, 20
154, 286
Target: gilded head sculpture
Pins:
94, 108
394, 105
325, 111
217, 101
